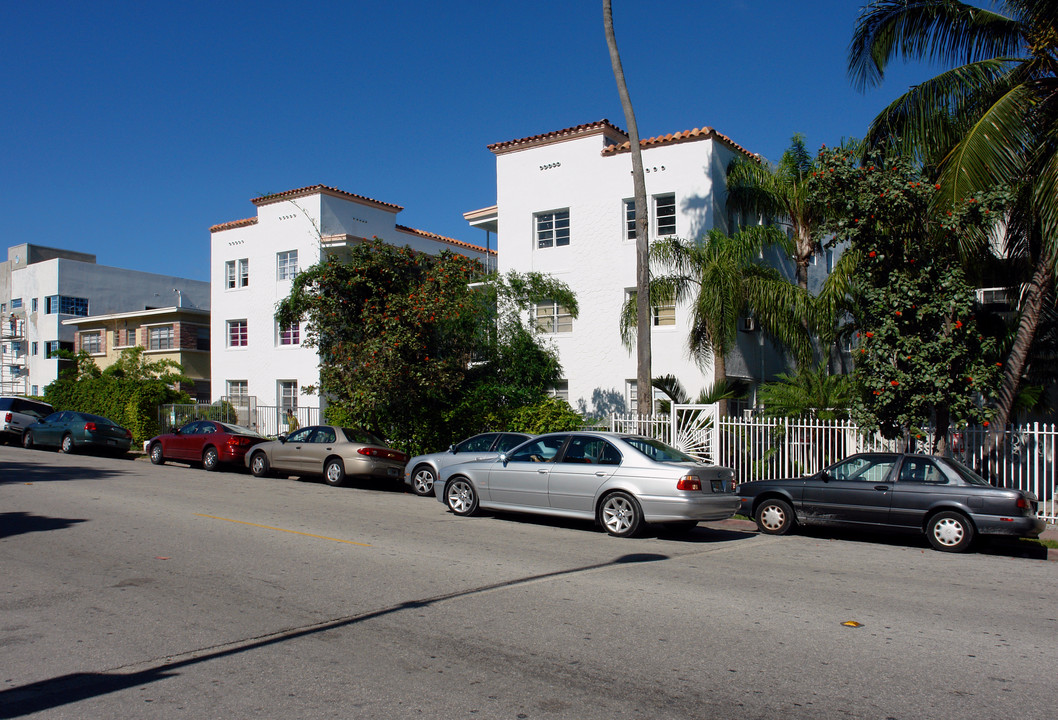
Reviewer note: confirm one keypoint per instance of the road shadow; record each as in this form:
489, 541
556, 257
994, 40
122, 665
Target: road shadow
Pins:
998, 546
56, 692
18, 471
19, 523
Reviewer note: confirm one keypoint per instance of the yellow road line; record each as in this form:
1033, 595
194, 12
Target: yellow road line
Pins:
295, 532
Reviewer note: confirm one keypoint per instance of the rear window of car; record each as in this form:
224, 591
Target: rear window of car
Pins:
26, 407
361, 436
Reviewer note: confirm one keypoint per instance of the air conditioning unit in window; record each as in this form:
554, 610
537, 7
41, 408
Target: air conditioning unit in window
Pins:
749, 324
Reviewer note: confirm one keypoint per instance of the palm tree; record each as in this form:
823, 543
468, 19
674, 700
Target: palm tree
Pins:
724, 278
779, 194
639, 188
991, 120
810, 392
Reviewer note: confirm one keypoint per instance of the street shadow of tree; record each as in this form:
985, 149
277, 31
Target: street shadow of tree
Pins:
19, 523
12, 472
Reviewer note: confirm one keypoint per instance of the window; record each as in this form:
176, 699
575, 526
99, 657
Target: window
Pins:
33, 349
64, 305
286, 265
92, 343
238, 392
124, 337
664, 313
553, 318
53, 346
630, 219
33, 305
870, 469
202, 338
16, 303
560, 390
543, 450
478, 443
288, 395
290, 334
665, 215
237, 273
160, 337
237, 333
633, 398
552, 229
922, 471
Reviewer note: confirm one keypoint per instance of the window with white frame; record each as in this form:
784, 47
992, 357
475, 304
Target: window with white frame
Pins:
92, 342
552, 228
124, 337
16, 303
560, 390
33, 305
631, 391
630, 219
664, 313
553, 318
287, 392
290, 334
237, 336
33, 348
665, 215
286, 265
237, 273
238, 392
160, 337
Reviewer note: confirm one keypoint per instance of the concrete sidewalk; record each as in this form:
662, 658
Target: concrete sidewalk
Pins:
740, 525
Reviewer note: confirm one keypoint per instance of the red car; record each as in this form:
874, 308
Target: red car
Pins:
204, 441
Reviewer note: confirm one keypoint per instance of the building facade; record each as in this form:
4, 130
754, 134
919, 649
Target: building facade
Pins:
564, 206
42, 287
176, 333
253, 262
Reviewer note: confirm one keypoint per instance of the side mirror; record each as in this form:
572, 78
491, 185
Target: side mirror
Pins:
176, 431
452, 449
824, 476
282, 438
503, 458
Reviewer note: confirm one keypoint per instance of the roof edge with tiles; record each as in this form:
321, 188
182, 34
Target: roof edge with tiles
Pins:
442, 238
233, 224
600, 127
703, 133
323, 190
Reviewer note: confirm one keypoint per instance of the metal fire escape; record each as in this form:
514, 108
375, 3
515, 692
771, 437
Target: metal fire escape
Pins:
14, 371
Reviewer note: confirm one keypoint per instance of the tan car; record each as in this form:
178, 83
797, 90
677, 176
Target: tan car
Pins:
333, 452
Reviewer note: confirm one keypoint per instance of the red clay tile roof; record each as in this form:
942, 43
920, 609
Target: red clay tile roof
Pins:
601, 126
442, 238
233, 224
325, 190
704, 133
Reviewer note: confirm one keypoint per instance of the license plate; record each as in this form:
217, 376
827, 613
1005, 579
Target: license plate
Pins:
112, 442
718, 486
393, 472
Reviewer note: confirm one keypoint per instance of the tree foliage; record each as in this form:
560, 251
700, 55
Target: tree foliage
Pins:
921, 358
809, 392
129, 392
420, 349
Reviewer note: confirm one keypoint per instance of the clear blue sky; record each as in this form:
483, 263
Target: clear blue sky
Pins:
129, 128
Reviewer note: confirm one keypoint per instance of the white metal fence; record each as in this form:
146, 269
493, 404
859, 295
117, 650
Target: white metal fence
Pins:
269, 420
763, 448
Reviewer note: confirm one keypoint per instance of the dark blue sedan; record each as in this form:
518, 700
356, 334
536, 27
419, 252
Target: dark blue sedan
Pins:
937, 496
72, 431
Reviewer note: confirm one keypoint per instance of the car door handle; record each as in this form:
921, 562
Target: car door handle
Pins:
881, 487
600, 473
542, 472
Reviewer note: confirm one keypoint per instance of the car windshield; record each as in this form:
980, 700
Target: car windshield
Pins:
357, 435
659, 451
968, 476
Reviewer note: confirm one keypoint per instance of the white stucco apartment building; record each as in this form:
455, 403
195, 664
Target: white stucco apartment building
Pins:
252, 265
40, 287
564, 206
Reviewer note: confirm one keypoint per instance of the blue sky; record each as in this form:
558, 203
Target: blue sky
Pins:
129, 128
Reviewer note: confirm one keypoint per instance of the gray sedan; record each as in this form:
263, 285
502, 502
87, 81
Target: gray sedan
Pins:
620, 481
422, 470
937, 496
327, 450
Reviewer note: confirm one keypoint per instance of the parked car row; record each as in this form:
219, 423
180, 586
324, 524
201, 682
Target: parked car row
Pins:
621, 482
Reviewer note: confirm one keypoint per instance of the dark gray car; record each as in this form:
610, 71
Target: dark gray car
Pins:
937, 496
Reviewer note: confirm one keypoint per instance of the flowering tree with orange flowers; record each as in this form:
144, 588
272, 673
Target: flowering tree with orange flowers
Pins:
411, 346
921, 358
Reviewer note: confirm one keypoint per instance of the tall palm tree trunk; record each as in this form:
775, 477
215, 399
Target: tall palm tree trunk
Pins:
644, 389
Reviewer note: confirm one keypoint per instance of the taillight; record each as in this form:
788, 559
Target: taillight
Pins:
128, 433
690, 483
383, 453
7, 417
239, 441
90, 427
1023, 504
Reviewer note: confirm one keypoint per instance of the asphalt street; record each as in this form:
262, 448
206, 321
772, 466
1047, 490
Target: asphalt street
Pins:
168, 592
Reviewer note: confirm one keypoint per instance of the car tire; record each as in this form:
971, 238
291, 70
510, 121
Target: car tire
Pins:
259, 464
67, 443
774, 517
334, 472
27, 440
620, 514
950, 531
422, 481
157, 455
210, 459
461, 497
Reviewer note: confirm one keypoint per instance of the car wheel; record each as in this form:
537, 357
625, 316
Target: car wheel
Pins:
461, 497
259, 464
210, 459
620, 514
950, 532
774, 517
422, 481
67, 443
156, 454
27, 440
334, 472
